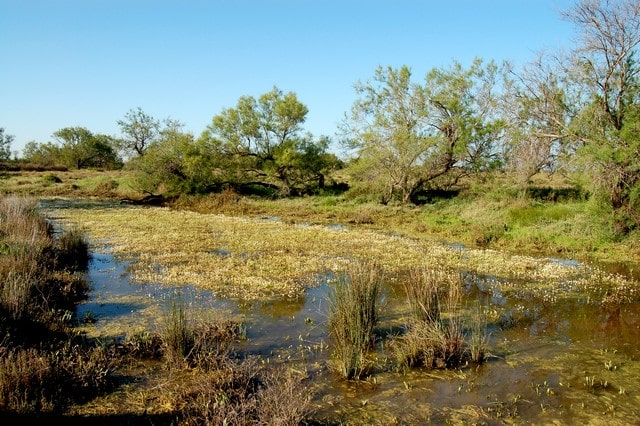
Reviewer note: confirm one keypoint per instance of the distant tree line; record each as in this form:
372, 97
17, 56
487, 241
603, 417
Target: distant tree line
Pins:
576, 113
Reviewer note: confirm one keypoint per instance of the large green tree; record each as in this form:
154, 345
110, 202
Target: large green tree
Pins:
80, 148
261, 141
606, 73
409, 137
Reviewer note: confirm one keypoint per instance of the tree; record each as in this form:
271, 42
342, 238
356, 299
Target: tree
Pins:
261, 141
5, 144
140, 130
43, 154
607, 74
537, 110
79, 148
409, 137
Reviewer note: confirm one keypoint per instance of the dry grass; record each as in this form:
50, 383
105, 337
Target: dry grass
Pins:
39, 381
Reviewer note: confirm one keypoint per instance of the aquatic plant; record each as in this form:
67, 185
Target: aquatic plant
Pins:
204, 344
177, 336
352, 317
437, 335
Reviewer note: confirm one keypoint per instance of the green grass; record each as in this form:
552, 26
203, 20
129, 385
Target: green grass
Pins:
353, 305
552, 218
440, 334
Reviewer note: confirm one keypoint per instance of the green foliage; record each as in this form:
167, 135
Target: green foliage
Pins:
261, 141
43, 154
604, 130
77, 148
140, 131
80, 148
410, 137
5, 144
437, 336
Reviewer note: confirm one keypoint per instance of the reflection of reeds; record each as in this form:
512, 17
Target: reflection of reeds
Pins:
437, 336
353, 316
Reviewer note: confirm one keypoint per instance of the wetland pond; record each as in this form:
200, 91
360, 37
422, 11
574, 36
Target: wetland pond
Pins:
561, 351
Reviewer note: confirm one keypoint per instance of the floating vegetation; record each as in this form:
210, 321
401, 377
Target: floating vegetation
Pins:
253, 258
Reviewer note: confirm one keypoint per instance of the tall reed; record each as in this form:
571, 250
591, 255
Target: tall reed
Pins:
33, 285
353, 314
438, 335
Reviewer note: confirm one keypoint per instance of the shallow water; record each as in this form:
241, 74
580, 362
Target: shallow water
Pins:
564, 361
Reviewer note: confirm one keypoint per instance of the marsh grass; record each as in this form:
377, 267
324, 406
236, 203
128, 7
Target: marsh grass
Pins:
41, 368
177, 334
36, 270
41, 381
243, 393
353, 314
438, 335
204, 344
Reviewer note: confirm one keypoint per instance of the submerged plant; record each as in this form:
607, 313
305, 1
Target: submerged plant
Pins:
352, 317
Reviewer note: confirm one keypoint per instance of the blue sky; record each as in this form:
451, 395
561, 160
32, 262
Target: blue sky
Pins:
87, 62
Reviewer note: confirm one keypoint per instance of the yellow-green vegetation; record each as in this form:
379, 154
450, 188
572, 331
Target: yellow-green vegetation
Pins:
76, 183
551, 219
436, 336
259, 257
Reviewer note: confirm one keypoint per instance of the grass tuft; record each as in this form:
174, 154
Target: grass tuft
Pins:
352, 317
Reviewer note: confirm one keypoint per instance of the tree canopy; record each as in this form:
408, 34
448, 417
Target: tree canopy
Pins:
408, 137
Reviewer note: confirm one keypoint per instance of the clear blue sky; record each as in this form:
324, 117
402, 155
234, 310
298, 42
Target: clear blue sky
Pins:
87, 62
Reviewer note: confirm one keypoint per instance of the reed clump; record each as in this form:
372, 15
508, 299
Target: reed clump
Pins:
353, 314
438, 334
204, 344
